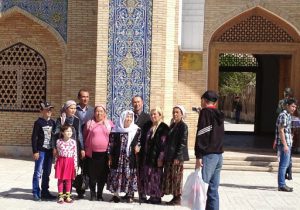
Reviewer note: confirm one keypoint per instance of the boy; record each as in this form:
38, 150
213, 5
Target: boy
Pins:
42, 152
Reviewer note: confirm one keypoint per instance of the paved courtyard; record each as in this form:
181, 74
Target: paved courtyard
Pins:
239, 190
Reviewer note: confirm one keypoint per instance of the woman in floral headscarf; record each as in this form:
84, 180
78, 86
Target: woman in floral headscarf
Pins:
123, 146
176, 154
96, 135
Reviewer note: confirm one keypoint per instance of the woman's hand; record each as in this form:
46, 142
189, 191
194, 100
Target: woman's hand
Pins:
137, 149
160, 163
82, 153
176, 162
36, 156
109, 161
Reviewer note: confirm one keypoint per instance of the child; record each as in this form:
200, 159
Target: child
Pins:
42, 152
65, 164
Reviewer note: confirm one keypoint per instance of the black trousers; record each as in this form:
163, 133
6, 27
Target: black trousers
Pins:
98, 171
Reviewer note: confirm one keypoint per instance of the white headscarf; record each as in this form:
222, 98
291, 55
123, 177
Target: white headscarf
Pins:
183, 111
131, 130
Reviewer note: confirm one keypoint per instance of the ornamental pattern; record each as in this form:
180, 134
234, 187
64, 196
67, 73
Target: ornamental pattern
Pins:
255, 29
53, 12
237, 59
129, 52
23, 73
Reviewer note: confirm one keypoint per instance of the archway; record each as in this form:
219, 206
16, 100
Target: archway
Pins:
276, 45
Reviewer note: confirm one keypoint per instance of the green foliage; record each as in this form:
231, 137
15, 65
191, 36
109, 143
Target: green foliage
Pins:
234, 83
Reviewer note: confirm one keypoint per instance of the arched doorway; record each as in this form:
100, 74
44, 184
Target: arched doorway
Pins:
275, 44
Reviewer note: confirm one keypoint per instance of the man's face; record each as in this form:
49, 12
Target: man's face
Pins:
137, 104
291, 108
84, 98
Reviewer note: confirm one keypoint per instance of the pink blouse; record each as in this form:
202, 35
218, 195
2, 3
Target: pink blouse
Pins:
67, 149
96, 136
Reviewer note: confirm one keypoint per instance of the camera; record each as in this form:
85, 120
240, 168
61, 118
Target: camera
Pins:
196, 109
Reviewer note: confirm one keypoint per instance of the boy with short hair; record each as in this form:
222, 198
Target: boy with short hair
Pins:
42, 152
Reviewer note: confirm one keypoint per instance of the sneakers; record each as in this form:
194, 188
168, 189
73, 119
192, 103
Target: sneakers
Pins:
68, 198
285, 189
47, 196
115, 199
61, 199
175, 201
36, 197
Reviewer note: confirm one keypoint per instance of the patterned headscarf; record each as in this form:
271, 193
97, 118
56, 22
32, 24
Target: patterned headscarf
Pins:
63, 114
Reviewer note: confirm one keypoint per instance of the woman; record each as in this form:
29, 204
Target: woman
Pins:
123, 146
96, 135
154, 157
176, 154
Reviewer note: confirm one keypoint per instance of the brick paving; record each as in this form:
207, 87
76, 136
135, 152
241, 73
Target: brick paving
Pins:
240, 190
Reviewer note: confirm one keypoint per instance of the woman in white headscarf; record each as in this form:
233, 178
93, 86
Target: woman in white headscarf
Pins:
123, 146
176, 154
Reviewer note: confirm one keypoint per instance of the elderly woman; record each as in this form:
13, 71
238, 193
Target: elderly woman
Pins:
123, 146
176, 154
154, 157
96, 135
68, 117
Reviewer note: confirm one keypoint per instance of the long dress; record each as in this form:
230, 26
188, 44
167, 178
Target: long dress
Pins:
123, 171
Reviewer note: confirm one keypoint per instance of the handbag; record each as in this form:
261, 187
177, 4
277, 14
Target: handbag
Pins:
81, 181
194, 191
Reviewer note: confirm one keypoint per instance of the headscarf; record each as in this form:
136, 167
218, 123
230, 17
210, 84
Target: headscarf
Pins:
63, 114
105, 121
131, 130
182, 109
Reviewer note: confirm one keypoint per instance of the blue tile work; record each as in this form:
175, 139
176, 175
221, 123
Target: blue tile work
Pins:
53, 12
130, 27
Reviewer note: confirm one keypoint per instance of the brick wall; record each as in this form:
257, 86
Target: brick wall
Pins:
17, 27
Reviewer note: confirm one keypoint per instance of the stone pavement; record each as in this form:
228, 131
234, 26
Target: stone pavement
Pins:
240, 190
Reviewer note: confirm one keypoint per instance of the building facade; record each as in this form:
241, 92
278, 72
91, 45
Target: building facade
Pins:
164, 50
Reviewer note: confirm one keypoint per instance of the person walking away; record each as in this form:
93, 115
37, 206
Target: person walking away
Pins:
96, 135
41, 142
66, 164
176, 154
209, 146
283, 137
123, 146
237, 109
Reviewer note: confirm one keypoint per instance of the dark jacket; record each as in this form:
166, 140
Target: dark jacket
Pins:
38, 135
115, 141
210, 132
177, 143
76, 129
155, 146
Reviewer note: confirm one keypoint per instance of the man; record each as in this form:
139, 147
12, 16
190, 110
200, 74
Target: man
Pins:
209, 146
283, 137
237, 109
142, 120
84, 112
41, 142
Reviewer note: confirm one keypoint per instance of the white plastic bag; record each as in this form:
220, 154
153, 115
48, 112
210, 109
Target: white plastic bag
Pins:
194, 191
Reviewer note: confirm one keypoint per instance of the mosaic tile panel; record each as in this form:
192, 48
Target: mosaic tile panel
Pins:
129, 54
53, 12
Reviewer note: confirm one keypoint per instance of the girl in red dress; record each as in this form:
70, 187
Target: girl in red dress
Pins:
65, 164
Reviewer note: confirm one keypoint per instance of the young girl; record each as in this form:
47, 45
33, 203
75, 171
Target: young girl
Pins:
65, 164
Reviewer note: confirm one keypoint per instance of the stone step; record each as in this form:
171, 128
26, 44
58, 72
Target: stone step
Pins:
250, 161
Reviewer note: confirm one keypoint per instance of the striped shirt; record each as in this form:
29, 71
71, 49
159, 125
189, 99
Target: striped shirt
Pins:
284, 120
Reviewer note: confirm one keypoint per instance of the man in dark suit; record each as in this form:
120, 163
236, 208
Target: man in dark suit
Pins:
142, 120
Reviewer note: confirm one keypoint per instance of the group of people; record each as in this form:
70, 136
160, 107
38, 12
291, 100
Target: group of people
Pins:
137, 153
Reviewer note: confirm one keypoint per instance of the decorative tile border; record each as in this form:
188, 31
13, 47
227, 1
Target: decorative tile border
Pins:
53, 12
129, 51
